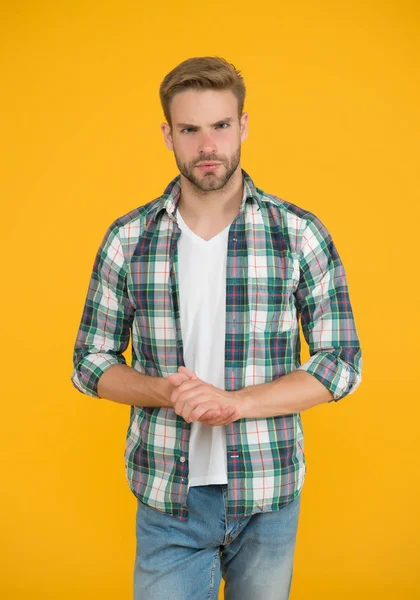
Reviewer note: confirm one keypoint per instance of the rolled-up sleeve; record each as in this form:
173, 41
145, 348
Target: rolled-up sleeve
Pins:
104, 331
326, 314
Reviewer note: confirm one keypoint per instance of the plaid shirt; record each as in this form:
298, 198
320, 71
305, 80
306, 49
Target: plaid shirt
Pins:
282, 266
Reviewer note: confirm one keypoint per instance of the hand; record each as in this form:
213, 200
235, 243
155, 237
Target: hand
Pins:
196, 400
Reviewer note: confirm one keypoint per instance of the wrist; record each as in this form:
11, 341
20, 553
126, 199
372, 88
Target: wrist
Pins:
160, 391
243, 402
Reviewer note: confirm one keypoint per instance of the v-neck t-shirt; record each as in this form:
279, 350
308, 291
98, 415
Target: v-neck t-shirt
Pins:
202, 290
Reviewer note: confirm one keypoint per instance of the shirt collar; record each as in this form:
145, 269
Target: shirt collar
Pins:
170, 197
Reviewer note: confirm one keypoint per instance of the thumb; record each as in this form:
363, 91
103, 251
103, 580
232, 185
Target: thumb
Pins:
177, 379
185, 371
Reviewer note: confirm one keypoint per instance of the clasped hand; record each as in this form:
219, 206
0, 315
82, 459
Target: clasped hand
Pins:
196, 400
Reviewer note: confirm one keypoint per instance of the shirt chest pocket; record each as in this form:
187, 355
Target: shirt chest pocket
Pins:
271, 299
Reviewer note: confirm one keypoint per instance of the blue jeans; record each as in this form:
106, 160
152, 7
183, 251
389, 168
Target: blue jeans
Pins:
185, 560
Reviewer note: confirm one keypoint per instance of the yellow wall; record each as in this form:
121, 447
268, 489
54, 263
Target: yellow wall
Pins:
333, 97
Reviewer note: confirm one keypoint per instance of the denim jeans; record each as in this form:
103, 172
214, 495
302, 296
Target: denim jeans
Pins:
185, 560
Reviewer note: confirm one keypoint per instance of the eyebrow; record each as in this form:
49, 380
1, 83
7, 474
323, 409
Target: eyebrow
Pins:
188, 125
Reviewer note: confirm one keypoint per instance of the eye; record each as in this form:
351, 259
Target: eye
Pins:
187, 129
222, 124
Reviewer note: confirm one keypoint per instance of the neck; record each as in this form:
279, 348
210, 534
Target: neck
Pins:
196, 205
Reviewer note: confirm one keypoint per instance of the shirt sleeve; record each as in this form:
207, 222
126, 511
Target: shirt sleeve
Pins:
104, 331
326, 313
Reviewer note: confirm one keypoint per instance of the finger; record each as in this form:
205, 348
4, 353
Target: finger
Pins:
219, 422
190, 384
196, 413
227, 417
192, 401
186, 402
210, 415
187, 372
191, 411
177, 379
187, 390
206, 401
180, 396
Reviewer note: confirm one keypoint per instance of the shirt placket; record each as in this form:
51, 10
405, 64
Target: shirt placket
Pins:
236, 298
182, 452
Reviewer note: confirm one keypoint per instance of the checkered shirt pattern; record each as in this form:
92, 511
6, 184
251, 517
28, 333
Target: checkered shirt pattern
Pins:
282, 268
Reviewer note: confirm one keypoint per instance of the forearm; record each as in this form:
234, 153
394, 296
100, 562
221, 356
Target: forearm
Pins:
123, 384
292, 393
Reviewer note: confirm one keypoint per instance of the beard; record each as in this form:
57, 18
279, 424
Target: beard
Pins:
209, 181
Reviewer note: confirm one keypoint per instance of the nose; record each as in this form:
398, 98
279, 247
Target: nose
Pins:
207, 144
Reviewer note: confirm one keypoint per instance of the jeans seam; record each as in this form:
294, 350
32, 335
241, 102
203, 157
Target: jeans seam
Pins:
212, 575
225, 541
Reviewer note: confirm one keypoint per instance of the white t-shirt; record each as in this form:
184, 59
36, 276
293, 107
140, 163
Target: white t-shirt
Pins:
202, 291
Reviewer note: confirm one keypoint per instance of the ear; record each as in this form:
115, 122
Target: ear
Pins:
244, 126
167, 136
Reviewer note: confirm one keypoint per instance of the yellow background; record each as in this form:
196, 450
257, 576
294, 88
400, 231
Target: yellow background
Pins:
333, 98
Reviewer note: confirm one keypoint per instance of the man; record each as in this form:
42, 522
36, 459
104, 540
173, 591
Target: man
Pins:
211, 280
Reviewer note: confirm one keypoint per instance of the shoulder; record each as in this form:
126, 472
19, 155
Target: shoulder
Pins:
293, 218
132, 224
138, 215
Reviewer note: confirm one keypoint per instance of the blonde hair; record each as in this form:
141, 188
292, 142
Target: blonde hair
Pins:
202, 73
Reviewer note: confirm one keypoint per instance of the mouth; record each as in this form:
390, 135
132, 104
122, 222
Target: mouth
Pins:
209, 166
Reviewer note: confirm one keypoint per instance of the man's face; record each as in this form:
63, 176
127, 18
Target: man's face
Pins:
206, 129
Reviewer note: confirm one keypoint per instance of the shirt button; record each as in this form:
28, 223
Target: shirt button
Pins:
182, 459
